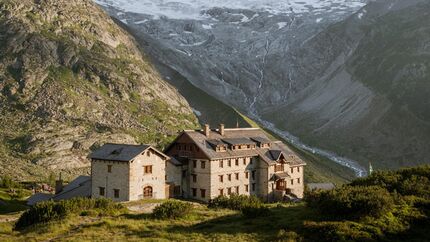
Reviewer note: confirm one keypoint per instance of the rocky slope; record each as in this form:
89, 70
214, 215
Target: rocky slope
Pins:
369, 97
341, 78
71, 79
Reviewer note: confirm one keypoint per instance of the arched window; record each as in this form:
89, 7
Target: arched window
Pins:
147, 192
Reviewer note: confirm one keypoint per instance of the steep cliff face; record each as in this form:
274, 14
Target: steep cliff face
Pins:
71, 79
371, 99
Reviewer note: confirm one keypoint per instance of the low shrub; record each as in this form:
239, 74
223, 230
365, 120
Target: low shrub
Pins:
254, 211
250, 206
172, 210
7, 182
288, 236
50, 211
234, 202
341, 231
408, 181
351, 202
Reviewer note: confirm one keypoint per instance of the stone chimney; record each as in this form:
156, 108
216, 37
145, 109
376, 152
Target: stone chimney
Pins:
221, 129
207, 130
59, 185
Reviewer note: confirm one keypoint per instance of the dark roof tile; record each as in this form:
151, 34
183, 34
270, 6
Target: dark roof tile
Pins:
118, 152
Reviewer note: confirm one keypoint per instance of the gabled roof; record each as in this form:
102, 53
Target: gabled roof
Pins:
260, 140
121, 152
275, 154
238, 135
238, 141
215, 142
80, 187
278, 176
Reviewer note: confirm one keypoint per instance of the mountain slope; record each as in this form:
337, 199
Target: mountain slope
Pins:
71, 79
370, 100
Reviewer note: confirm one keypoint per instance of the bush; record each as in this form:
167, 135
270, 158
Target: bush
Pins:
234, 202
341, 231
250, 206
7, 182
50, 211
172, 210
254, 211
288, 236
351, 202
409, 181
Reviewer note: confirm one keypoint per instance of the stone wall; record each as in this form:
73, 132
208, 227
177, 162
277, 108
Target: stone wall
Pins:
241, 168
139, 180
118, 178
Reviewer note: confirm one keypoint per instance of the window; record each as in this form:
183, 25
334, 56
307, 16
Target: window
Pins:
184, 174
147, 169
203, 192
194, 163
251, 160
292, 170
221, 178
221, 163
246, 188
203, 164
101, 191
237, 162
194, 177
253, 187
229, 177
292, 182
148, 153
110, 168
298, 169
229, 162
246, 174
147, 192
244, 161
253, 175
298, 180
237, 189
229, 190
179, 146
237, 176
221, 192
116, 193
194, 192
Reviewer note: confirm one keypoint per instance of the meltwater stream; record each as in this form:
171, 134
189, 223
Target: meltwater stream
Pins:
350, 164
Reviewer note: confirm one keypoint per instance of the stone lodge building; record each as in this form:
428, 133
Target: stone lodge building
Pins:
242, 161
199, 164
131, 172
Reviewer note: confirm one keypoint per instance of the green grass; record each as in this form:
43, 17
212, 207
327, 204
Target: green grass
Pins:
202, 225
12, 203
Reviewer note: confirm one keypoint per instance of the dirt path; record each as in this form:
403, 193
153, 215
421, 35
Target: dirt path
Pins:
9, 218
142, 208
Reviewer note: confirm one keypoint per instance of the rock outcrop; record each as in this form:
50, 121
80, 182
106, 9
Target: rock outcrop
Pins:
70, 80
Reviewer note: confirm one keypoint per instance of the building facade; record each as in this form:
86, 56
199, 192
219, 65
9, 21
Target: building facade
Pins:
241, 161
130, 172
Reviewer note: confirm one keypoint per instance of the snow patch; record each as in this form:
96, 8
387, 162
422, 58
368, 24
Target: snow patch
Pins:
282, 25
318, 20
141, 21
192, 9
207, 26
197, 112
